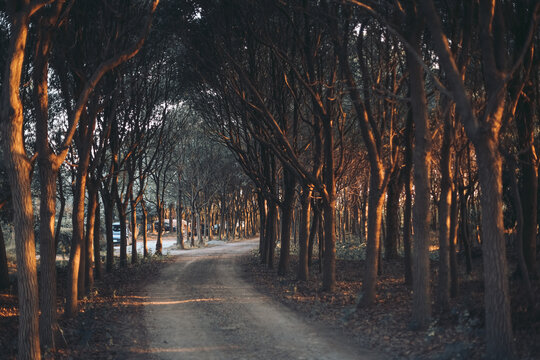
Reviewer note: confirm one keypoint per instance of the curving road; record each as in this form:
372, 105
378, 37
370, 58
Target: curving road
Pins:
201, 308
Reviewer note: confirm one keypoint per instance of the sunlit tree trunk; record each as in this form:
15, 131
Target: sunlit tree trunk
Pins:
89, 236
77, 256
49, 165
18, 168
375, 205
445, 204
484, 133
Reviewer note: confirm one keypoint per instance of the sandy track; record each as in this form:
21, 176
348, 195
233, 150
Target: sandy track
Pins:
201, 308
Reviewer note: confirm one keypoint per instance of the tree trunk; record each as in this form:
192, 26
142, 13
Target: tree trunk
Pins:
445, 203
484, 133
60, 212
179, 226
108, 206
262, 220
320, 237
97, 242
464, 231
454, 223
145, 228
18, 169
363, 215
496, 296
89, 241
421, 308
392, 216
407, 212
4, 270
47, 210
516, 201
159, 245
77, 254
122, 217
289, 190
271, 234
329, 206
376, 202
355, 216
529, 179
134, 230
200, 236
312, 233
303, 241
193, 227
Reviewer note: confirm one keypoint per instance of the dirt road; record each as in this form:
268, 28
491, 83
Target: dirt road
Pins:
201, 308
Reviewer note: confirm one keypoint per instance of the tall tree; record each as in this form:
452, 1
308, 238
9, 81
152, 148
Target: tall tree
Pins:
19, 167
484, 131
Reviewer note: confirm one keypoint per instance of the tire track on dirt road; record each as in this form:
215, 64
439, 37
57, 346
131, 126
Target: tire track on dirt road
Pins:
201, 308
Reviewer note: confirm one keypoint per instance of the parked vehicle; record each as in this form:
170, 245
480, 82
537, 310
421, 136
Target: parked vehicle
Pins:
166, 226
116, 234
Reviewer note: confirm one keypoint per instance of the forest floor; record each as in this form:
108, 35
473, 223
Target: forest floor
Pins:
120, 318
385, 327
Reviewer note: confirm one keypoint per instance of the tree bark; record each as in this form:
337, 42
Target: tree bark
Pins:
445, 203
392, 216
421, 308
496, 296
376, 202
122, 218
97, 242
47, 210
77, 255
90, 236
145, 228
529, 180
303, 241
262, 227
329, 207
60, 188
313, 233
108, 206
271, 234
289, 190
484, 133
134, 230
159, 245
454, 223
18, 168
4, 270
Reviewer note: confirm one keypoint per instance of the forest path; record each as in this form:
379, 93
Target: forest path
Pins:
201, 308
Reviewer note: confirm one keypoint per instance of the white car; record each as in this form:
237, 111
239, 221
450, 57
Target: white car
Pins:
116, 234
